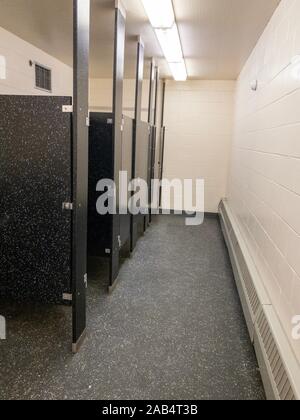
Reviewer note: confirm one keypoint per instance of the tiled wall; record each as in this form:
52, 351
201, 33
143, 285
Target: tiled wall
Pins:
264, 186
16, 75
199, 120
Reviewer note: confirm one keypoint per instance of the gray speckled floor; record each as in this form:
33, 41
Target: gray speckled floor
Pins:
173, 329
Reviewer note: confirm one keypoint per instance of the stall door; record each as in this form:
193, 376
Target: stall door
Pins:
151, 176
35, 181
100, 168
141, 165
125, 219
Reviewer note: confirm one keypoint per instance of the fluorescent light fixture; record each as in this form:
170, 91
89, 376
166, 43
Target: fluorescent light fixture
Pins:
160, 13
179, 71
162, 18
170, 43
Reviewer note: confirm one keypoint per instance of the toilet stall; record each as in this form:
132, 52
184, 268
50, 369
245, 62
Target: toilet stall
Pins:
43, 184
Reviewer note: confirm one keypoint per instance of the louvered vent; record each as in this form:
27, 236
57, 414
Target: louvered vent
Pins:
242, 266
43, 78
251, 291
276, 365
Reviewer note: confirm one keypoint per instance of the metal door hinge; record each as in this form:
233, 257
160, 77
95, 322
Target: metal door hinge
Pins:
87, 121
85, 280
67, 297
122, 125
68, 206
67, 108
119, 241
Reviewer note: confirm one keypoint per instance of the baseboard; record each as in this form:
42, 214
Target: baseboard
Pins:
278, 364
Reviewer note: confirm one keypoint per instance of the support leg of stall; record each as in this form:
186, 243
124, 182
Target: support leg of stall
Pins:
81, 29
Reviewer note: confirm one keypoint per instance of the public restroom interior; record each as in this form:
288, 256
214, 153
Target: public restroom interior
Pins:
176, 310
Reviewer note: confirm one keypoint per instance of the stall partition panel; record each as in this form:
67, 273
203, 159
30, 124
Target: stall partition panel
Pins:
161, 160
151, 168
100, 168
142, 172
125, 219
35, 182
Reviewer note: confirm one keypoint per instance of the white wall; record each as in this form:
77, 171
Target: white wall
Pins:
199, 120
101, 91
264, 191
18, 78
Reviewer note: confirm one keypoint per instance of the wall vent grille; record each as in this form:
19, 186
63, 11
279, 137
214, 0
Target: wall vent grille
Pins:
43, 78
246, 277
276, 365
252, 294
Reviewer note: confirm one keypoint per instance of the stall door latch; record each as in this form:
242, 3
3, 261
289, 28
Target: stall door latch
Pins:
119, 241
67, 206
67, 297
67, 109
85, 280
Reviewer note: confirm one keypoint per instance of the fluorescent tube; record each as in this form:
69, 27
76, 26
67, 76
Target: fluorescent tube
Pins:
179, 71
162, 18
170, 43
160, 13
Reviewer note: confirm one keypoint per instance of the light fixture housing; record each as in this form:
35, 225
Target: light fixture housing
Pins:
179, 71
160, 13
170, 43
162, 18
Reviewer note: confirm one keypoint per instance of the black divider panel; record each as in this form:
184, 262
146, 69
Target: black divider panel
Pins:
100, 167
35, 181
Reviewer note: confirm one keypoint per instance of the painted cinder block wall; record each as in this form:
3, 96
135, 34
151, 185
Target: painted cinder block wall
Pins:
199, 126
264, 183
101, 96
16, 75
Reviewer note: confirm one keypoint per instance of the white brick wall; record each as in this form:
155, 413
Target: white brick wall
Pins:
18, 78
199, 120
264, 187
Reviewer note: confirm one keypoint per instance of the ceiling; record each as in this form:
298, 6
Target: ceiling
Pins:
217, 35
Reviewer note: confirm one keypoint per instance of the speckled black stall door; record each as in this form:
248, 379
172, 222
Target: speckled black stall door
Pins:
35, 180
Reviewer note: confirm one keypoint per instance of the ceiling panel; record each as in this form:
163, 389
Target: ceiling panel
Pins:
217, 35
